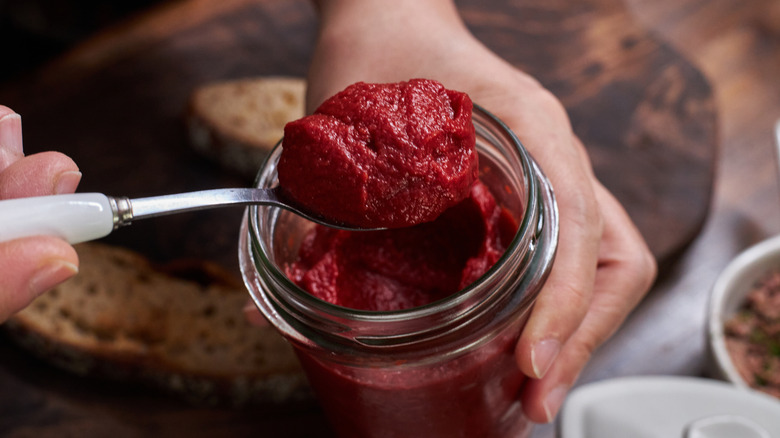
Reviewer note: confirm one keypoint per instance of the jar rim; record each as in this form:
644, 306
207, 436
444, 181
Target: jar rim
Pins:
536, 187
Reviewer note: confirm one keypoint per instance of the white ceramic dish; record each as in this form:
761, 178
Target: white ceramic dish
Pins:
668, 407
728, 294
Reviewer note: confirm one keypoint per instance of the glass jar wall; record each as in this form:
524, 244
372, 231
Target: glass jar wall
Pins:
446, 369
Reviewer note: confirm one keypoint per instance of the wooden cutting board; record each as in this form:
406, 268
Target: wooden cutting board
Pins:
115, 104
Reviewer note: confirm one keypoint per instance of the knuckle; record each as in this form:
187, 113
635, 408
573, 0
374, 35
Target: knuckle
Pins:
573, 296
642, 267
584, 214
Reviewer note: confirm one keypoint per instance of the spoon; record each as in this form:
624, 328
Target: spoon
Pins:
80, 217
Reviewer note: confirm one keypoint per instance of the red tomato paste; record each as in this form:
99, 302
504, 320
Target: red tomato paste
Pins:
404, 154
473, 396
382, 155
405, 267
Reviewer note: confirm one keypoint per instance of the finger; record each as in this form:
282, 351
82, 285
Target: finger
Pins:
40, 174
625, 274
561, 305
30, 267
565, 297
10, 137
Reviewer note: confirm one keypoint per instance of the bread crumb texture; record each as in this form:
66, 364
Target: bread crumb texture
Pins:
123, 318
237, 122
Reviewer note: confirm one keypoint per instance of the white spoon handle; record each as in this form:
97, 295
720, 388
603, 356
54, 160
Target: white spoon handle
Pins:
76, 217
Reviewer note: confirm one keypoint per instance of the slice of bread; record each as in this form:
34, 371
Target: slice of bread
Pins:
237, 122
181, 329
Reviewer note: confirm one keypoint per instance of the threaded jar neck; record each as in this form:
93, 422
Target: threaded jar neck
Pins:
457, 323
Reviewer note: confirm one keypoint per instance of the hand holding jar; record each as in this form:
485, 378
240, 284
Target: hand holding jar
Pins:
603, 267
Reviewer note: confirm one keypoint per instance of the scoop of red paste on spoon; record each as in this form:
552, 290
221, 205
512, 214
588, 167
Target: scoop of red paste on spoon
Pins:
382, 155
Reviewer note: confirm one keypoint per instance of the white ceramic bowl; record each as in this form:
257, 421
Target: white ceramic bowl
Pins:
728, 294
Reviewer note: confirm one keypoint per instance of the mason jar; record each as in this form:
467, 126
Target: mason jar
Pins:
446, 369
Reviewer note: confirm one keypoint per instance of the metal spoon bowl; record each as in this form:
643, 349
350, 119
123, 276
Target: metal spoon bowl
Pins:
87, 216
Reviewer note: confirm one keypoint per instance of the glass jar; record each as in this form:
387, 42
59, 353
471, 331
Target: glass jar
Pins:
446, 369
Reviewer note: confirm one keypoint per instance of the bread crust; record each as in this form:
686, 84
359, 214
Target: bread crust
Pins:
180, 329
237, 122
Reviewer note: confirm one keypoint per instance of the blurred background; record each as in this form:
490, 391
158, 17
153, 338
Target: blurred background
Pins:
34, 31
734, 44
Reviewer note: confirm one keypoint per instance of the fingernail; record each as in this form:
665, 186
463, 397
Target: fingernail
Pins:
542, 356
553, 402
51, 274
10, 138
11, 132
67, 182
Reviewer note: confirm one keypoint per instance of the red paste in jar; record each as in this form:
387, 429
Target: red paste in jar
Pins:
406, 267
389, 179
382, 155
473, 396
395, 155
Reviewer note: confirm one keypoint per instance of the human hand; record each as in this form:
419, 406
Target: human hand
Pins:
33, 265
603, 267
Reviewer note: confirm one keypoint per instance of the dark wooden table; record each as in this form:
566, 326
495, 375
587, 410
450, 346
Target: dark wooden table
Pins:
657, 91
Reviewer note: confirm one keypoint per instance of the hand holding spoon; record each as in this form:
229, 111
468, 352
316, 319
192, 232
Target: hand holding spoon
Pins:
81, 217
